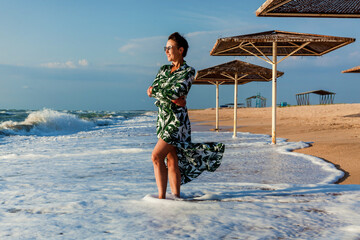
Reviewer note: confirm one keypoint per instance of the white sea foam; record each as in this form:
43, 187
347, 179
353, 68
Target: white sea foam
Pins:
92, 185
83, 153
333, 173
46, 122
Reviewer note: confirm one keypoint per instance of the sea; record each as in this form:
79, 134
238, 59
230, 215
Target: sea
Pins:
89, 175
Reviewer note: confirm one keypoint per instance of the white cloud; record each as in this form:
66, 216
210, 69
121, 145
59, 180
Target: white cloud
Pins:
200, 33
68, 64
149, 50
83, 62
143, 45
129, 47
355, 55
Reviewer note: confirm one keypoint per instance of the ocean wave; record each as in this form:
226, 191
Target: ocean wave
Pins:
141, 119
46, 122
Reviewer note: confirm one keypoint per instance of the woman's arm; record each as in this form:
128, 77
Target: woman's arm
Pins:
180, 86
149, 91
181, 101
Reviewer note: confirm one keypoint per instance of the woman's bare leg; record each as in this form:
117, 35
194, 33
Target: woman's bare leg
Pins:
161, 150
174, 172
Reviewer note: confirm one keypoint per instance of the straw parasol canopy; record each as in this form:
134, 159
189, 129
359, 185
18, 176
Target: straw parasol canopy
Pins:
352, 70
226, 72
288, 44
277, 43
232, 73
310, 8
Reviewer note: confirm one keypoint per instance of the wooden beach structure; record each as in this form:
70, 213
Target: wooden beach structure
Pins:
275, 44
352, 70
232, 73
260, 101
310, 8
325, 97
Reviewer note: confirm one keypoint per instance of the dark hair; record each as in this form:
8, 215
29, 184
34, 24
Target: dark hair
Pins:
180, 41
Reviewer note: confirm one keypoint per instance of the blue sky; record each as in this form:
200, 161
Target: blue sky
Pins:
102, 55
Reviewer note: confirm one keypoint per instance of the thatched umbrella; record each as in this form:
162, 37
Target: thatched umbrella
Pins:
310, 8
277, 43
235, 72
352, 70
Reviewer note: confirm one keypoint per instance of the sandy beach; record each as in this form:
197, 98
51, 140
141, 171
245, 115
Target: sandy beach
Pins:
332, 130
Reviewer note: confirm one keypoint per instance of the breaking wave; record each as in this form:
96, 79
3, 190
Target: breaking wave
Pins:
46, 122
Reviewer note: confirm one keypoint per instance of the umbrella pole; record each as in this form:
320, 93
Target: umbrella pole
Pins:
274, 79
235, 104
217, 106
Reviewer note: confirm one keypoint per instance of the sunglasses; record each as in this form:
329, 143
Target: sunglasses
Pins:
168, 48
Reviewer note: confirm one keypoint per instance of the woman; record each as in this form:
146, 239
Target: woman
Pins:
184, 160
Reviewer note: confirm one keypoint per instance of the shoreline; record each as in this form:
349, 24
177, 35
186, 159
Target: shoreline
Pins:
332, 131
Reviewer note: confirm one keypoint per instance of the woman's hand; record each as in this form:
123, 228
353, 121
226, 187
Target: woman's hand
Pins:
149, 91
181, 101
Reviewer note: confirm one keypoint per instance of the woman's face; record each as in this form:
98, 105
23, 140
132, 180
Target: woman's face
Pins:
173, 53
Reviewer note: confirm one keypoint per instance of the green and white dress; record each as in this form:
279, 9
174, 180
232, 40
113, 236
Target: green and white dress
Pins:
173, 124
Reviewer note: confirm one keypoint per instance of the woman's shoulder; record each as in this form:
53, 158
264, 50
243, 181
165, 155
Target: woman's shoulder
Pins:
165, 67
189, 68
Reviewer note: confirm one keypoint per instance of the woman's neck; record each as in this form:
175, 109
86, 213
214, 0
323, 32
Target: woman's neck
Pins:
176, 65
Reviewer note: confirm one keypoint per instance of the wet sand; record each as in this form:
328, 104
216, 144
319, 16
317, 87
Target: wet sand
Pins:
332, 130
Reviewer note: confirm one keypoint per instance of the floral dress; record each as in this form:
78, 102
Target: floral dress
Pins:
173, 124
